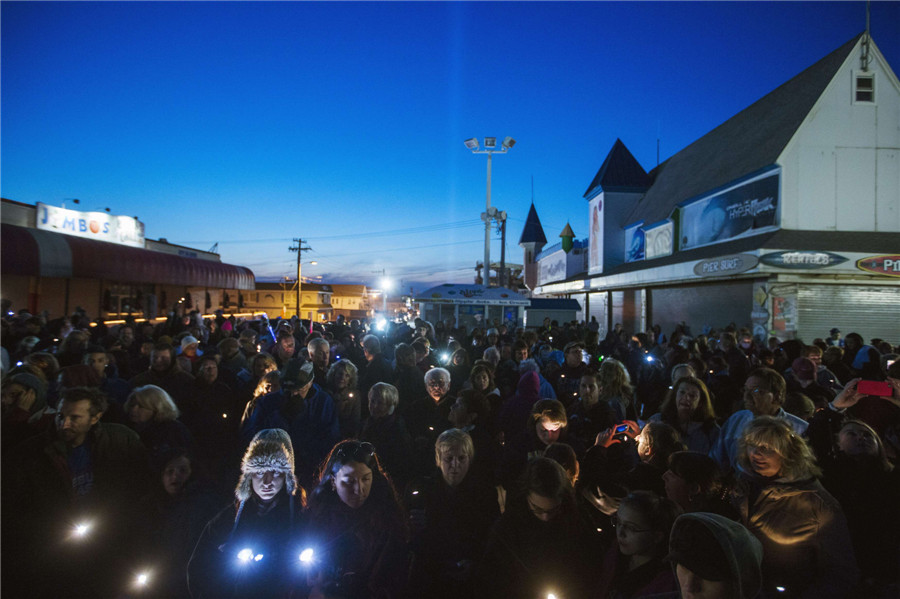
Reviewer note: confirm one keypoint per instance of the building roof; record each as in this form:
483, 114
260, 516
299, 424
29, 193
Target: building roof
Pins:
40, 253
747, 142
450, 293
533, 231
538, 303
356, 290
620, 171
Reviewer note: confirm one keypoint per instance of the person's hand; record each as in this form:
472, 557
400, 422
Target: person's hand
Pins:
849, 396
895, 391
611, 437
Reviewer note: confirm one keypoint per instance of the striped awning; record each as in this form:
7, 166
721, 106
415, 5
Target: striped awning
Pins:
33, 252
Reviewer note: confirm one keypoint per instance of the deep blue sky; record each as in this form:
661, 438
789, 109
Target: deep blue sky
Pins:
249, 124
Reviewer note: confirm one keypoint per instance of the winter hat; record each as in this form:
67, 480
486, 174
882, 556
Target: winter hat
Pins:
35, 383
804, 369
716, 548
296, 374
270, 450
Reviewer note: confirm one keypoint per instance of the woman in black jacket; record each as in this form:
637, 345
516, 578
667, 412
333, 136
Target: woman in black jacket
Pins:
356, 543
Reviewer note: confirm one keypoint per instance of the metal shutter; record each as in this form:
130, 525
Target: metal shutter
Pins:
715, 305
865, 309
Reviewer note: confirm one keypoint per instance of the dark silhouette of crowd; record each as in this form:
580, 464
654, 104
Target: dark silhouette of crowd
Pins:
215, 457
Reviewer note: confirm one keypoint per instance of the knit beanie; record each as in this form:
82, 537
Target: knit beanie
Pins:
270, 450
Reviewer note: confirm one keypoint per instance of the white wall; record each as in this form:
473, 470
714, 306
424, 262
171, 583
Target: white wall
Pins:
841, 171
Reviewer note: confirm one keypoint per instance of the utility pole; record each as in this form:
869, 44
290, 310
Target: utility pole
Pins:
299, 249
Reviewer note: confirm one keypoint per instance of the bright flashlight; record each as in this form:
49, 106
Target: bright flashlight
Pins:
445, 357
649, 358
142, 579
82, 529
245, 555
381, 324
306, 556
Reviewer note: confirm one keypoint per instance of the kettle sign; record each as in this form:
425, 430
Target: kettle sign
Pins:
881, 265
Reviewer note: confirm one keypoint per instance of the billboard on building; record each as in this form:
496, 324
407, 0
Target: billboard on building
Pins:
595, 218
552, 268
736, 211
100, 226
658, 239
634, 242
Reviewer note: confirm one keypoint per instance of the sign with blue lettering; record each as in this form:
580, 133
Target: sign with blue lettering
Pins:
100, 226
725, 265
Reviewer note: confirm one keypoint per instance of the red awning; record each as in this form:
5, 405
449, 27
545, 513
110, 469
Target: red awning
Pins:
33, 252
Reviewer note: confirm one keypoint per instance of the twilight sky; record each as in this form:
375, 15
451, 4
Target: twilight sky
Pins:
251, 123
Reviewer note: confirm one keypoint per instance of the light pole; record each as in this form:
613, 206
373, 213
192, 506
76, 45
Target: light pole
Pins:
490, 147
386, 284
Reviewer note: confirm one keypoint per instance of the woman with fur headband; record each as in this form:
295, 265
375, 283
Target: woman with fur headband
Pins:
245, 550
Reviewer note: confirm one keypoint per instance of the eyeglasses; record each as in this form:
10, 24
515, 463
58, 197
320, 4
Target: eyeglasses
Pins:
353, 451
626, 526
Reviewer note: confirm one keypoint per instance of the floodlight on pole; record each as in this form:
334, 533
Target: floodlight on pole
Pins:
490, 214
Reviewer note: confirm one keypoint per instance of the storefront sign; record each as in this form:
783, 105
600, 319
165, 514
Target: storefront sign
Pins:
100, 226
802, 259
726, 265
738, 211
881, 265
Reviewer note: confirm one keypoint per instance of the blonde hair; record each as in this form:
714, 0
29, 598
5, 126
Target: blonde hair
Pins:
453, 437
797, 458
156, 399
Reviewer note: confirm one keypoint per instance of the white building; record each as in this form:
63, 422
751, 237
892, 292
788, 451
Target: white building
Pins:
785, 218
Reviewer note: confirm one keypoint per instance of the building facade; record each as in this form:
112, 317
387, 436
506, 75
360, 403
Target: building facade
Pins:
785, 218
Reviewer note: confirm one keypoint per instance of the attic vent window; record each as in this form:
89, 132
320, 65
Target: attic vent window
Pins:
864, 91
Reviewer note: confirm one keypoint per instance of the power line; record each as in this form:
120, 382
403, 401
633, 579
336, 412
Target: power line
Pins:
365, 234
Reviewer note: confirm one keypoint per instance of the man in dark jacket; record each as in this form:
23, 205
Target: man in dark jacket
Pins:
68, 496
377, 368
305, 411
164, 372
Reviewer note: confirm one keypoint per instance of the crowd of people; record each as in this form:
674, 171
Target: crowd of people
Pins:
222, 457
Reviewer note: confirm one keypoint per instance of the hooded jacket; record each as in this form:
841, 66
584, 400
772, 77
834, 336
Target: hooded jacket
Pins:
735, 546
806, 542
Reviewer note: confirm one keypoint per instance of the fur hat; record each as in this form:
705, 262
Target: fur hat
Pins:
270, 450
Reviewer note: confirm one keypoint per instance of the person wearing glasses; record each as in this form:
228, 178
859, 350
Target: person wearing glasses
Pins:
634, 565
807, 548
540, 545
764, 393
357, 530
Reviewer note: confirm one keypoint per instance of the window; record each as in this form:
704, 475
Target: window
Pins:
864, 88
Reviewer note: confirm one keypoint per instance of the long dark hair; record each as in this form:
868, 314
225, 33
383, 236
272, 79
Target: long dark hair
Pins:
381, 509
704, 411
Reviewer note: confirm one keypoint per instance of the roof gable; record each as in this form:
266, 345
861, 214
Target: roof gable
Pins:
747, 142
620, 171
533, 232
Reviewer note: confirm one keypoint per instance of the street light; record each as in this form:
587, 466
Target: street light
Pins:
490, 148
386, 285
